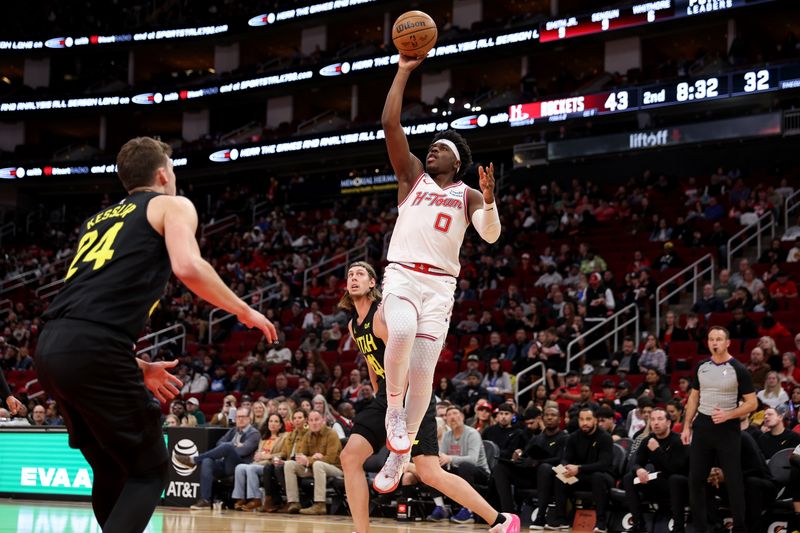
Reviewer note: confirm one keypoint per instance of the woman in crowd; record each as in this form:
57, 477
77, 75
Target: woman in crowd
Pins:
653, 356
247, 477
272, 477
497, 382
258, 415
772, 395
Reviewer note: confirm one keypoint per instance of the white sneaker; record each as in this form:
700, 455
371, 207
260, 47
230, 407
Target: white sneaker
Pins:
396, 433
511, 525
390, 475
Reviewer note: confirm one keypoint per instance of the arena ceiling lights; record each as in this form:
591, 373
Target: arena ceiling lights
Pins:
600, 21
265, 19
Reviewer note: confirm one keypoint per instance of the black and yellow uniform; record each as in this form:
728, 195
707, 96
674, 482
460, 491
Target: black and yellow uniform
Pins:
370, 423
85, 357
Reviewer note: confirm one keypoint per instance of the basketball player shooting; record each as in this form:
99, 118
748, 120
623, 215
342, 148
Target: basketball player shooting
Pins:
368, 328
434, 213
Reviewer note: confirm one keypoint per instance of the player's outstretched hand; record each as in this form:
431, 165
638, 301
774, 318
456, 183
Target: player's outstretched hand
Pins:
487, 182
13, 404
409, 63
253, 319
159, 381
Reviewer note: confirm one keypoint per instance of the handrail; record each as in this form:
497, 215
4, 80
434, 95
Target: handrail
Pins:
8, 228
218, 226
532, 385
19, 280
696, 276
6, 306
794, 200
617, 326
258, 208
50, 289
180, 335
254, 299
357, 253
765, 222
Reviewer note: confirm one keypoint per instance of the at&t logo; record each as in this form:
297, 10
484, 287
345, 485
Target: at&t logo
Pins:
184, 447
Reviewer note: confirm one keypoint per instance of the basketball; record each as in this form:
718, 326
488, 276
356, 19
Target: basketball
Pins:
414, 34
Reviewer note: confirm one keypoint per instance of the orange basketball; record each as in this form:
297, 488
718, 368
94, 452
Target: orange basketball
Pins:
414, 34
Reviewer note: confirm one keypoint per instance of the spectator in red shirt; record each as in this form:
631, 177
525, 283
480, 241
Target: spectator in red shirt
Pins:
772, 328
783, 287
790, 375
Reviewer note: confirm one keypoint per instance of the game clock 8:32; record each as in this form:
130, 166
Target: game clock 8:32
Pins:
685, 91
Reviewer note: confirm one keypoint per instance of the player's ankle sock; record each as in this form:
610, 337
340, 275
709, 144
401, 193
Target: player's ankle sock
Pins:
439, 501
499, 520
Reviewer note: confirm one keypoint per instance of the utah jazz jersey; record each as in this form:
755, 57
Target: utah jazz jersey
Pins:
119, 271
371, 346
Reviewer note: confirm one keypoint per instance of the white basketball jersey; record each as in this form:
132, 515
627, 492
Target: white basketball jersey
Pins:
430, 225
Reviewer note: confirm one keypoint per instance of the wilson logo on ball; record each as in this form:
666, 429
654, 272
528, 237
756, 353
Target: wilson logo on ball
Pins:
403, 26
184, 447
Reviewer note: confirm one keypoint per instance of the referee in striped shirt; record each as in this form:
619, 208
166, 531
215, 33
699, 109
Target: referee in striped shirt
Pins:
717, 386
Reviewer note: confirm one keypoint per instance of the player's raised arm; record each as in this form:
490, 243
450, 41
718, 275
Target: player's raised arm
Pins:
406, 166
482, 207
179, 227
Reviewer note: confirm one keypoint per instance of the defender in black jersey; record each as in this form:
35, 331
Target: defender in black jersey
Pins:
85, 359
368, 436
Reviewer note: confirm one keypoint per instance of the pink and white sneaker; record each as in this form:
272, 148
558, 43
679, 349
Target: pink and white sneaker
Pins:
390, 475
396, 433
511, 525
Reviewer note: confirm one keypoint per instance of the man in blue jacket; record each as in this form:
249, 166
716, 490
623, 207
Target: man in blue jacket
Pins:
237, 446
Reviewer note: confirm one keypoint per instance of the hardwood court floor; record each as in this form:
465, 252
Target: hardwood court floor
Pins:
21, 516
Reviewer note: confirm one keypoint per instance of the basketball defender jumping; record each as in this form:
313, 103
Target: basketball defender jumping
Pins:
85, 357
369, 330
418, 286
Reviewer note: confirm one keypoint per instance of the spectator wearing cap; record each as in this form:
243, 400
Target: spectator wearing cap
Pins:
503, 433
608, 391
599, 299
473, 363
653, 387
569, 393
539, 453
193, 409
625, 361
178, 408
607, 421
483, 417
584, 401
469, 395
497, 382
